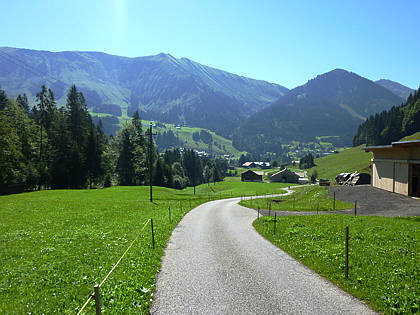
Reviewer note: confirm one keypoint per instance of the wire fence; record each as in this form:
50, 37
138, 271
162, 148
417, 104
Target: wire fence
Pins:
203, 197
95, 294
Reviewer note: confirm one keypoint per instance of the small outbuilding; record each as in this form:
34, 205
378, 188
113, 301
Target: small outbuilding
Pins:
285, 176
396, 167
251, 176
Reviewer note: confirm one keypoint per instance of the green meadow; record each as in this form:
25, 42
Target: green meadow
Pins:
57, 244
384, 255
305, 198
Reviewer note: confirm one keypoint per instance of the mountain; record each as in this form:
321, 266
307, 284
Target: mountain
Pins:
161, 87
332, 104
396, 88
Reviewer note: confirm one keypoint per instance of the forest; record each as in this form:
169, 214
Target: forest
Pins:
391, 125
52, 147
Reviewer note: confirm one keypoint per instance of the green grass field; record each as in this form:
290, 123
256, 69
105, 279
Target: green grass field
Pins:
56, 245
348, 160
232, 187
305, 198
415, 136
384, 255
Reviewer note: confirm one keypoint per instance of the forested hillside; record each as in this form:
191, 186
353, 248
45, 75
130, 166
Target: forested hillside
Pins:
50, 147
391, 125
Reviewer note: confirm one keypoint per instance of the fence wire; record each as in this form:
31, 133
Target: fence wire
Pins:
115, 266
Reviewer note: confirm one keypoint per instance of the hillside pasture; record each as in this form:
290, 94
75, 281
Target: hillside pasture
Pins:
57, 244
349, 160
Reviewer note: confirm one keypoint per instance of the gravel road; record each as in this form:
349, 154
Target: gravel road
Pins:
216, 263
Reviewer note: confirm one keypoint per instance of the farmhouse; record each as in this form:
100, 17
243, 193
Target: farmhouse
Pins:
251, 176
249, 165
396, 167
285, 176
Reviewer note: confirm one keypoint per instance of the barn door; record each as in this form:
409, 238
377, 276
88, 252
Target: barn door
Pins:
415, 180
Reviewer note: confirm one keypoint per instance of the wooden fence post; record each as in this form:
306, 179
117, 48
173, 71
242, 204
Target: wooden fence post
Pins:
355, 207
347, 252
153, 234
97, 296
275, 221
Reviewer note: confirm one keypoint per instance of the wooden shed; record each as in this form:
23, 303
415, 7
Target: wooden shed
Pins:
251, 176
396, 167
285, 176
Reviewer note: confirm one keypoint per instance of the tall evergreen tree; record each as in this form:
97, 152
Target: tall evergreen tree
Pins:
94, 156
159, 177
79, 123
3, 99
125, 165
23, 103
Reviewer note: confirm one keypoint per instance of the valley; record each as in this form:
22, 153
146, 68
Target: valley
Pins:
209, 157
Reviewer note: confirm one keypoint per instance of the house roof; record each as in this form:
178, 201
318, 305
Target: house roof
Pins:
412, 143
251, 171
285, 171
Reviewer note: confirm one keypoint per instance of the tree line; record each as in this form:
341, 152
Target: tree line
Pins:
391, 125
52, 147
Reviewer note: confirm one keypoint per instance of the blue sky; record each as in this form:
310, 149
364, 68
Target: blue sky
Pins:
286, 42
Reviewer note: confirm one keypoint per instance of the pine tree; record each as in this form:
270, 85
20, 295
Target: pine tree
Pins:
159, 177
94, 156
79, 123
139, 153
22, 101
125, 165
3, 100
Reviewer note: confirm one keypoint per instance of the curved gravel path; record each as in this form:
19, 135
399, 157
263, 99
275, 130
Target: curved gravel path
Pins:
216, 263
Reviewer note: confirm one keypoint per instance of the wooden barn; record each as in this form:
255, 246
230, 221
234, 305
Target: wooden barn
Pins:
396, 167
285, 176
251, 176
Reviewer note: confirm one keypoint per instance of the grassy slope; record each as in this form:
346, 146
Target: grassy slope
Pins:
55, 245
415, 136
349, 160
384, 267
306, 198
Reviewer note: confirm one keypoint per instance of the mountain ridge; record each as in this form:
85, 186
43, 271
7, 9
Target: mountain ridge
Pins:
396, 87
332, 103
159, 86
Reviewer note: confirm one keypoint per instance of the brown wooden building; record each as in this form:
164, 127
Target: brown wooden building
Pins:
251, 176
285, 176
396, 167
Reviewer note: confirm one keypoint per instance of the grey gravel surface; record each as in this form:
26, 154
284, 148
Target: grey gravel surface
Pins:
216, 263
374, 201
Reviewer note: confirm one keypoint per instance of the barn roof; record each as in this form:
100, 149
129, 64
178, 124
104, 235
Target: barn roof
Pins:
283, 172
411, 143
